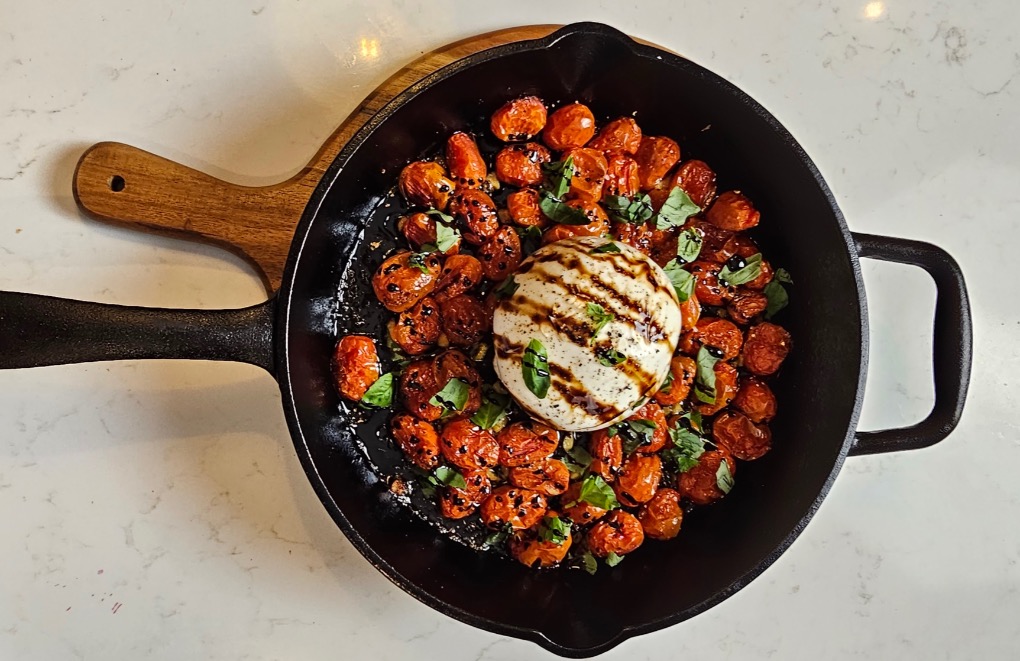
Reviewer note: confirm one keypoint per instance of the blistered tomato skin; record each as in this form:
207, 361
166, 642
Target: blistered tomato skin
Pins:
725, 389
744, 439
690, 312
570, 126
709, 289
521, 444
467, 167
417, 329
457, 503
528, 549
607, 454
418, 439
755, 400
464, 320
460, 274
700, 484
656, 157
425, 183
589, 172
418, 385
765, 348
466, 445
746, 305
500, 255
720, 334
683, 369
619, 533
697, 180
661, 516
418, 228
652, 412
733, 211
404, 279
622, 134
520, 119
636, 236
638, 479
549, 477
521, 165
476, 212
355, 366
524, 209
597, 226
622, 176
520, 508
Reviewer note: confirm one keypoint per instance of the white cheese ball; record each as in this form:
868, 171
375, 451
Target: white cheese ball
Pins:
555, 288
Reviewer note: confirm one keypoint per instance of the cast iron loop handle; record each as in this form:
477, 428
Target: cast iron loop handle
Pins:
952, 346
43, 330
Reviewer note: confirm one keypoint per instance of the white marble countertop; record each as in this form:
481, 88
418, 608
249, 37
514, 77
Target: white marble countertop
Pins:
156, 510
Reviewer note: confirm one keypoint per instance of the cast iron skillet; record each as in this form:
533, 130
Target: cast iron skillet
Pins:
722, 547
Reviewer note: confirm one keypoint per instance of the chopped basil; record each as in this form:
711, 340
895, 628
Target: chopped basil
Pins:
498, 537
667, 385
558, 176
694, 419
453, 396
723, 477
599, 318
782, 275
590, 564
635, 433
559, 211
750, 271
535, 367
610, 357
493, 409
776, 293
531, 238
417, 260
507, 288
578, 462
443, 217
380, 393
613, 559
704, 381
447, 235
595, 491
687, 448
606, 247
683, 281
688, 246
675, 211
450, 477
623, 209
554, 529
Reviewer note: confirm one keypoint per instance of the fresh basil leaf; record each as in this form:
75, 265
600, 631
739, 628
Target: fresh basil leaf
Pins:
610, 357
417, 260
613, 430
687, 448
683, 281
750, 271
577, 461
667, 385
507, 288
450, 477
623, 209
688, 246
554, 529
380, 393
782, 275
559, 211
723, 477
777, 296
531, 238
535, 366
635, 433
446, 237
675, 211
609, 246
613, 559
493, 409
595, 491
442, 217
704, 381
590, 564
693, 420
558, 176
428, 489
496, 538
599, 319
453, 396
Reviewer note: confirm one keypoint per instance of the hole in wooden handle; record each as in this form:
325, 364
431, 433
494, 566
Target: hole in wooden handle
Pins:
116, 183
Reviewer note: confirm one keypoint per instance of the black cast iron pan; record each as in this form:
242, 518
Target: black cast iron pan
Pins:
325, 287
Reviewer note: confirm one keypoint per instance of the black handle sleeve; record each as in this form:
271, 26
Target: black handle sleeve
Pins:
42, 330
953, 344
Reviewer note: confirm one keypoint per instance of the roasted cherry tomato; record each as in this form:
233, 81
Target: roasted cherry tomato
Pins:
765, 348
725, 389
453, 364
521, 444
597, 226
696, 179
467, 167
716, 333
733, 211
619, 533
682, 369
700, 484
521, 165
746, 305
460, 274
549, 477
739, 245
425, 183
355, 365
710, 290
477, 213
622, 176
520, 508
500, 255
661, 516
418, 439
743, 438
638, 479
520, 119
464, 320
622, 134
664, 245
466, 445
580, 511
652, 412
524, 209
656, 157
606, 454
528, 548
714, 246
590, 169
405, 278
570, 126
417, 329
756, 400
690, 312
418, 385
419, 229
457, 503
635, 236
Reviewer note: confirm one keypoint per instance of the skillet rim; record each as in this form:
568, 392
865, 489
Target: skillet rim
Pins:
286, 298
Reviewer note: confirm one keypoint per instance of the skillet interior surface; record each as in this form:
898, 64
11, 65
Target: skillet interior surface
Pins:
722, 547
